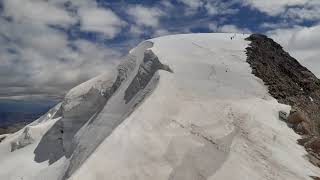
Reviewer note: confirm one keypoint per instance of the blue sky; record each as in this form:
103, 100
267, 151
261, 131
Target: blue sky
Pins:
49, 46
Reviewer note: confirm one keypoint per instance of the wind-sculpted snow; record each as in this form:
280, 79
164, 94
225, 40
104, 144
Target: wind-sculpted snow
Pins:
146, 70
118, 107
25, 140
79, 105
203, 161
88, 116
180, 107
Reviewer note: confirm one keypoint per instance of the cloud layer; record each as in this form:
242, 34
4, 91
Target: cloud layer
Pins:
37, 55
302, 43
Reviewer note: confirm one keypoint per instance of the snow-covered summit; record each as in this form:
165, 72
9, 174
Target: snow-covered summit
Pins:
180, 107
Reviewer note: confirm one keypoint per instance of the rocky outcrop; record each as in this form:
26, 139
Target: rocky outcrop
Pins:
300, 123
296, 117
290, 83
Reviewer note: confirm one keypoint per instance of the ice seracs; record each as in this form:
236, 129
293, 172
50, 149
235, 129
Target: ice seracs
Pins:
179, 107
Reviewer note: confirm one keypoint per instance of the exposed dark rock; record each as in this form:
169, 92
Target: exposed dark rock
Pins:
290, 83
315, 178
287, 80
303, 128
296, 117
304, 140
313, 158
300, 123
313, 144
283, 116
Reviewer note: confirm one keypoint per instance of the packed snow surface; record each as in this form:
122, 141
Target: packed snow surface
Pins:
181, 107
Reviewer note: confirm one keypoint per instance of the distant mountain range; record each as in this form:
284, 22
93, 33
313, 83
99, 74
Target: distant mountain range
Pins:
8, 118
14, 114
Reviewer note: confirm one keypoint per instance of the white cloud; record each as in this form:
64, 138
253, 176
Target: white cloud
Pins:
308, 12
270, 25
273, 7
100, 20
161, 32
145, 16
194, 4
31, 11
220, 8
53, 68
302, 43
213, 7
306, 39
233, 29
227, 28
213, 26
136, 30
167, 4
297, 10
37, 59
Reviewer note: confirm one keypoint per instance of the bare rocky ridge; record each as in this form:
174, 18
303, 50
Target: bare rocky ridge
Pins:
290, 83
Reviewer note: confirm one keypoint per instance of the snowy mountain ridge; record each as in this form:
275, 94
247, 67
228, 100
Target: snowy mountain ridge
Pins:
180, 107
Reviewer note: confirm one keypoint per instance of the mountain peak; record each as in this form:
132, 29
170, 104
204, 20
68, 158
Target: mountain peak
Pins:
179, 107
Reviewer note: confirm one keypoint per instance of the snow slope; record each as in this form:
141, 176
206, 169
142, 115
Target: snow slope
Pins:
181, 107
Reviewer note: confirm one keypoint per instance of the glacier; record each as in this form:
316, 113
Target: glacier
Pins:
178, 107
